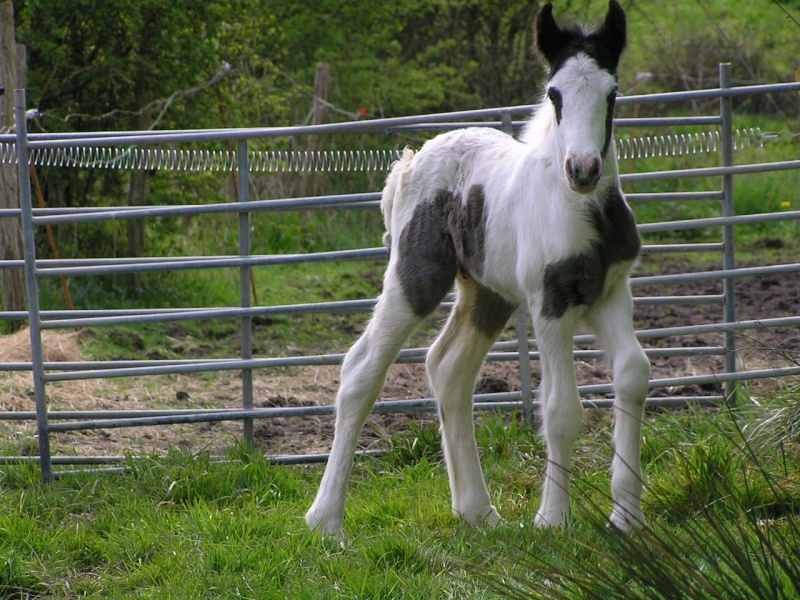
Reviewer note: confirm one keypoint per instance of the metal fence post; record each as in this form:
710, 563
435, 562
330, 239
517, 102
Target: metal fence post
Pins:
728, 235
243, 172
34, 316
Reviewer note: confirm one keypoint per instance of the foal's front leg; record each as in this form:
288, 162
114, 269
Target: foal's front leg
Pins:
613, 324
562, 413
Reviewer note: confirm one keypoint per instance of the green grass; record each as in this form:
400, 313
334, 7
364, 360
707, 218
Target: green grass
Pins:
188, 527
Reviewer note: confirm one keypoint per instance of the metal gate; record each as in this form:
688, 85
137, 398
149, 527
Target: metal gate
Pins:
161, 150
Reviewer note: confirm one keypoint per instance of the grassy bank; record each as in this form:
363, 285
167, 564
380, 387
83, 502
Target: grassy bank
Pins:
722, 522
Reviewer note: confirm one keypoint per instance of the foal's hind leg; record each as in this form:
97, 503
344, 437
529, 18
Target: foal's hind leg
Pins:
453, 363
363, 374
612, 322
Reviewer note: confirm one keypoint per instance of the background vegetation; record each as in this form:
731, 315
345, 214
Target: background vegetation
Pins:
229, 63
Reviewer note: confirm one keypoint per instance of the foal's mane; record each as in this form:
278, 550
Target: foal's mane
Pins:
535, 130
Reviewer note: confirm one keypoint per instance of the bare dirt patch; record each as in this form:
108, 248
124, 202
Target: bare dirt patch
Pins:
757, 298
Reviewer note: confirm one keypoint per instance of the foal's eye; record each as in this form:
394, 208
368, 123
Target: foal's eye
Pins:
555, 97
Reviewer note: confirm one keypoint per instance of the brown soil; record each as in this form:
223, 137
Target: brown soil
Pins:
763, 297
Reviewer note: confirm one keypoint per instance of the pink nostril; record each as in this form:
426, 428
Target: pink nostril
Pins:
584, 171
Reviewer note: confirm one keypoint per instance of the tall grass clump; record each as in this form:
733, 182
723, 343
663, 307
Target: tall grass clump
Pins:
722, 526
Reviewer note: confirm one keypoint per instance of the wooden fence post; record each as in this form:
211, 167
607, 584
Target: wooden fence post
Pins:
12, 76
321, 114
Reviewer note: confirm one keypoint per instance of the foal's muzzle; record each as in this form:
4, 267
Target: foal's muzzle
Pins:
583, 172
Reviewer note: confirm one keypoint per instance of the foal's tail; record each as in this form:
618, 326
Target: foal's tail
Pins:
393, 189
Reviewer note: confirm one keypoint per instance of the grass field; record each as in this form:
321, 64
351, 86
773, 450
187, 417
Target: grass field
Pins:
722, 499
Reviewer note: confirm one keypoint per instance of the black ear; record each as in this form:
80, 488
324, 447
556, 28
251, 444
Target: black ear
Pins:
550, 39
613, 33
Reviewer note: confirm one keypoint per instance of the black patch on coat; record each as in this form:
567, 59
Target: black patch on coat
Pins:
558, 102
578, 280
467, 224
444, 236
611, 100
491, 312
427, 265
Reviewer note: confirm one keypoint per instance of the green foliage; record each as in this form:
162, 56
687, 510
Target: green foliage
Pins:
155, 64
100, 66
418, 443
682, 44
414, 57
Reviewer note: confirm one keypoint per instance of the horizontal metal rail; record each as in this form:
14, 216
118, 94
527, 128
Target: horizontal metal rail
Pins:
709, 94
682, 248
683, 330
408, 356
335, 359
253, 206
371, 254
341, 307
66, 319
715, 275
332, 201
672, 196
367, 200
372, 126
44, 264
419, 405
164, 315
786, 165
281, 459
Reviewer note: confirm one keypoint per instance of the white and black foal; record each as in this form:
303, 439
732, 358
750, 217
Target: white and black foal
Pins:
539, 222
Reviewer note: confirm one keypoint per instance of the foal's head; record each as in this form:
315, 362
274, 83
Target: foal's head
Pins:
582, 89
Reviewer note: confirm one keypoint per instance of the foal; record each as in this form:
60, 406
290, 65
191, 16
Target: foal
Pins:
539, 222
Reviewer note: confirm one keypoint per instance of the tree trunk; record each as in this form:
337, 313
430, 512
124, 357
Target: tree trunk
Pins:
11, 77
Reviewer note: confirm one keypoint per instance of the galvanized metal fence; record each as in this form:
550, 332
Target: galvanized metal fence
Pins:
138, 150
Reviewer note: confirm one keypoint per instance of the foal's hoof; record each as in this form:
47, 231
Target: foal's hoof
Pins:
549, 519
326, 525
481, 518
627, 521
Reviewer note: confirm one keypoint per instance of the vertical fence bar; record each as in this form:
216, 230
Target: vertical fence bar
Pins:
525, 385
728, 235
243, 172
34, 316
